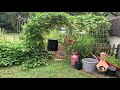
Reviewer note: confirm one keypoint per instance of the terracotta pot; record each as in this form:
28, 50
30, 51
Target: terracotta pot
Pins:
102, 66
103, 55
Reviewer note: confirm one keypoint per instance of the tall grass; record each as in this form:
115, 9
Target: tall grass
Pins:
12, 37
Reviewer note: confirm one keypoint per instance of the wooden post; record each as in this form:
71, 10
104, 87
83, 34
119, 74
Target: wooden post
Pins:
112, 52
101, 47
109, 49
117, 51
105, 47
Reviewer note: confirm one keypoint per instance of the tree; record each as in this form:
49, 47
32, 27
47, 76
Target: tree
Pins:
96, 13
8, 20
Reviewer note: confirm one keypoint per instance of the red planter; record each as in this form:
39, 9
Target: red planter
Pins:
118, 68
74, 58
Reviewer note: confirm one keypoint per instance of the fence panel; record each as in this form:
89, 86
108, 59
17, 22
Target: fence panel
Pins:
110, 50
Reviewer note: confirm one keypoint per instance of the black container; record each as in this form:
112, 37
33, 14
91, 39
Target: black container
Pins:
118, 73
111, 71
78, 65
52, 45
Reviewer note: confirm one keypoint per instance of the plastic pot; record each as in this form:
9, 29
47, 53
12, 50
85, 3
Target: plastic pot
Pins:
78, 65
111, 71
118, 73
89, 64
52, 45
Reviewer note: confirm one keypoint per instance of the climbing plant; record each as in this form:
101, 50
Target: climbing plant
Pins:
97, 26
40, 24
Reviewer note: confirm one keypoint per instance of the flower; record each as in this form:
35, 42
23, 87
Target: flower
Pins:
75, 41
70, 43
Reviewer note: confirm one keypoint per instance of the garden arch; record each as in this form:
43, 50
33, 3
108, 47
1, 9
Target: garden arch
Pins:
42, 23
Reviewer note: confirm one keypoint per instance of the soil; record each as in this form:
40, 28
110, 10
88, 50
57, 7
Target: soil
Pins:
99, 75
60, 53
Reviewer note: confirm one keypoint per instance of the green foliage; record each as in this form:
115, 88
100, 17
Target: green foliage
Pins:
39, 25
92, 23
96, 13
32, 53
8, 20
42, 23
86, 45
10, 54
97, 26
83, 44
112, 60
15, 54
56, 34
4, 21
36, 60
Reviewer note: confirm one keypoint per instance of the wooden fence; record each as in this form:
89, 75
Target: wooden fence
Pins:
110, 50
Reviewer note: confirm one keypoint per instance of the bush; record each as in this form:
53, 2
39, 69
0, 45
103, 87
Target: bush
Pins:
86, 45
36, 60
14, 54
10, 54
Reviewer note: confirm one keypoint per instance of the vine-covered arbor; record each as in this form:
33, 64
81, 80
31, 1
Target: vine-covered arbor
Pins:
41, 23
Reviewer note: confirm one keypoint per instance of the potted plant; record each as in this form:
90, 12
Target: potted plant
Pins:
85, 47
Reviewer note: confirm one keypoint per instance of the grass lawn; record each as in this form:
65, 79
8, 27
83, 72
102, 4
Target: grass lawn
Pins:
55, 69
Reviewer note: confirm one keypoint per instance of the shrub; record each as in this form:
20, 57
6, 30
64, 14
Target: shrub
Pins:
14, 54
10, 54
36, 60
86, 45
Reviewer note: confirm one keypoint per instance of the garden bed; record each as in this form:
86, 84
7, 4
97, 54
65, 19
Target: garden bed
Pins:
110, 64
